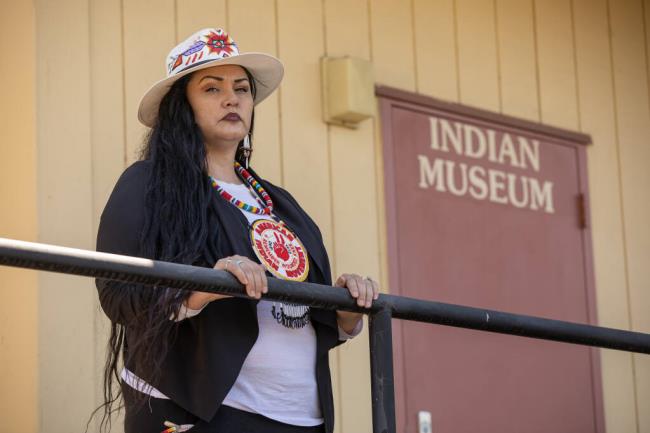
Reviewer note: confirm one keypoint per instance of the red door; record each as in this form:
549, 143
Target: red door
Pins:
485, 211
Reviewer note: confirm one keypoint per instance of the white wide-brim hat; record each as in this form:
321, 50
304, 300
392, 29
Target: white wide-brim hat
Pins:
205, 49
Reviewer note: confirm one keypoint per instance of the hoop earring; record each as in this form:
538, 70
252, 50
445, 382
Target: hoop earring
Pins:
246, 148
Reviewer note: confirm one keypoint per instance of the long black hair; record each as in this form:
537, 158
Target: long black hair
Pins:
178, 181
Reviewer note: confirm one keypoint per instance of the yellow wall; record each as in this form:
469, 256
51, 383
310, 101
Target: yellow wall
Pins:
580, 64
18, 218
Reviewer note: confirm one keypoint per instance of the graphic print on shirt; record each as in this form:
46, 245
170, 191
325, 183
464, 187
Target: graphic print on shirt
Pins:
279, 250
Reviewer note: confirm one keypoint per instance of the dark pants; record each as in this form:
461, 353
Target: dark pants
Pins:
150, 416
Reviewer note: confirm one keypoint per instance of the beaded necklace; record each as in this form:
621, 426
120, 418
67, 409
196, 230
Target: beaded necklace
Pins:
266, 210
278, 248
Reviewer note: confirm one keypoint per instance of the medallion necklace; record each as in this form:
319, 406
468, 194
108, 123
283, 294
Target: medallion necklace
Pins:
278, 249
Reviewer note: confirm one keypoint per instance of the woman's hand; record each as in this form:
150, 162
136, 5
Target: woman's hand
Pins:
365, 290
249, 273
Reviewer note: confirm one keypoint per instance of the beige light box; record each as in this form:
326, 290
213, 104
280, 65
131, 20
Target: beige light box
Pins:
348, 90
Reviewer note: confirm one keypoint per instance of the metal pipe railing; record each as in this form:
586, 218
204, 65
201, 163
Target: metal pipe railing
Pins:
157, 273
382, 387
151, 272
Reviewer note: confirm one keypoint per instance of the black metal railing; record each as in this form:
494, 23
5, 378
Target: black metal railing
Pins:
156, 273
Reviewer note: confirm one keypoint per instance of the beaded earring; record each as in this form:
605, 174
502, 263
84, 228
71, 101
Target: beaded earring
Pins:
247, 148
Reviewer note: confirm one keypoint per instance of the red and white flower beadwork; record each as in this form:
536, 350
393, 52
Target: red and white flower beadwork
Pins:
221, 43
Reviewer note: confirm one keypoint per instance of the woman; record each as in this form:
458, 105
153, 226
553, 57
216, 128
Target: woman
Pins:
204, 362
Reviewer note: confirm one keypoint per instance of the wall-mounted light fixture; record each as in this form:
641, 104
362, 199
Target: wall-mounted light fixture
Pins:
348, 90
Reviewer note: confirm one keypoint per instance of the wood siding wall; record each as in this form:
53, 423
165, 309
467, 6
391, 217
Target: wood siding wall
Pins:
18, 219
580, 64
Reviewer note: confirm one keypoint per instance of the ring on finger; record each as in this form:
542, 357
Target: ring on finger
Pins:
239, 262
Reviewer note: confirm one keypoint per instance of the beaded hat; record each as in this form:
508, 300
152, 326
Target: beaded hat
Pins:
204, 49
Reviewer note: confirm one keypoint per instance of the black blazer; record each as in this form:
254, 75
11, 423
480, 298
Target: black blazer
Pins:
211, 347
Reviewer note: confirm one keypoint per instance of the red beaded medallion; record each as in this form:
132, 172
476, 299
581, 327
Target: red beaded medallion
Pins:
279, 250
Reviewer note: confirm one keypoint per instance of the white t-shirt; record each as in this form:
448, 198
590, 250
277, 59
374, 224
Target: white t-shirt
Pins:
278, 377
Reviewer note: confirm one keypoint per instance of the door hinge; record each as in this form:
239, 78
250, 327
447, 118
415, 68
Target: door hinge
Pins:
582, 211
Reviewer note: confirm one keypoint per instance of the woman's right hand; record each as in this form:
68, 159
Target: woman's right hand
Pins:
249, 273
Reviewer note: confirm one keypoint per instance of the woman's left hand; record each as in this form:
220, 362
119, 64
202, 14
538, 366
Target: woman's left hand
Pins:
365, 290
